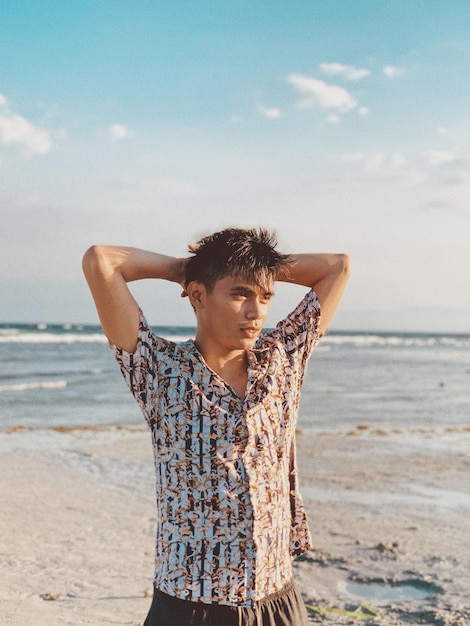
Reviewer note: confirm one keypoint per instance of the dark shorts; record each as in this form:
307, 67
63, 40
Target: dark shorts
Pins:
284, 608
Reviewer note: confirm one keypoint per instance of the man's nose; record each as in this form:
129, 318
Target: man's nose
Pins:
254, 309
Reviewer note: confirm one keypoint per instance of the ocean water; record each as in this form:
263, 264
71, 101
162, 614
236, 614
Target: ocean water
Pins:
66, 375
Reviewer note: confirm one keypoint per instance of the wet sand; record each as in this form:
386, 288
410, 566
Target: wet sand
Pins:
390, 517
389, 514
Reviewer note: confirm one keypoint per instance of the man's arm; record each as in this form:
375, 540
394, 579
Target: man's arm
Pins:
108, 269
326, 273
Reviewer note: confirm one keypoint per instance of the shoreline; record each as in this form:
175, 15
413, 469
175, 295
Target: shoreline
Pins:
78, 522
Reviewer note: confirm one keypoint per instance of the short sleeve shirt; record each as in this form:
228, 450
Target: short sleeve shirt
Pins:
230, 516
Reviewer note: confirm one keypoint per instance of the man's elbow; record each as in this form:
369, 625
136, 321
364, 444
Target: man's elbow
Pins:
340, 266
93, 261
344, 264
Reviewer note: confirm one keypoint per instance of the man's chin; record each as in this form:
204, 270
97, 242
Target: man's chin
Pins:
249, 342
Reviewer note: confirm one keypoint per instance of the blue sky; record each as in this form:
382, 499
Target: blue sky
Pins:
342, 125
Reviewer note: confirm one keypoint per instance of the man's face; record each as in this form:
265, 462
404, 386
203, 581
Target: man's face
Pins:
233, 313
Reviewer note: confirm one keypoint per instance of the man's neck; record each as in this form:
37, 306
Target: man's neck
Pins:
231, 367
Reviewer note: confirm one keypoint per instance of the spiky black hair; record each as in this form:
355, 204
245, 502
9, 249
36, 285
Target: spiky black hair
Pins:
249, 253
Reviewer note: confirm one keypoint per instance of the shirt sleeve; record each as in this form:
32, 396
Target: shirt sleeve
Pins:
300, 330
139, 367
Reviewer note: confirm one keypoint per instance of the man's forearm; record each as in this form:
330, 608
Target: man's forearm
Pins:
132, 264
309, 269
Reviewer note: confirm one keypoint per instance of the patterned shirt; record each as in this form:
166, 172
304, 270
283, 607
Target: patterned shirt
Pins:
230, 516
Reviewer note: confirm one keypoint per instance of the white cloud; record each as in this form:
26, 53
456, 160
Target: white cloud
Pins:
333, 119
439, 157
392, 71
380, 165
363, 111
349, 72
352, 157
117, 132
271, 113
399, 160
322, 94
375, 162
17, 130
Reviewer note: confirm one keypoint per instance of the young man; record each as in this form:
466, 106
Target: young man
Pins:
222, 411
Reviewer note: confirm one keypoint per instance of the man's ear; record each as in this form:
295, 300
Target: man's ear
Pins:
196, 293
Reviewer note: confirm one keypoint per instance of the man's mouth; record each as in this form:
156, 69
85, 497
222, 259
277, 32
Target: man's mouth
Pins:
250, 331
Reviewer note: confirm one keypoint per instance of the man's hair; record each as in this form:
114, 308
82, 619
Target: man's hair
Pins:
250, 254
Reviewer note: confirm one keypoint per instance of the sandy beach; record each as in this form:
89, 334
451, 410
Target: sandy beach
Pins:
389, 513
